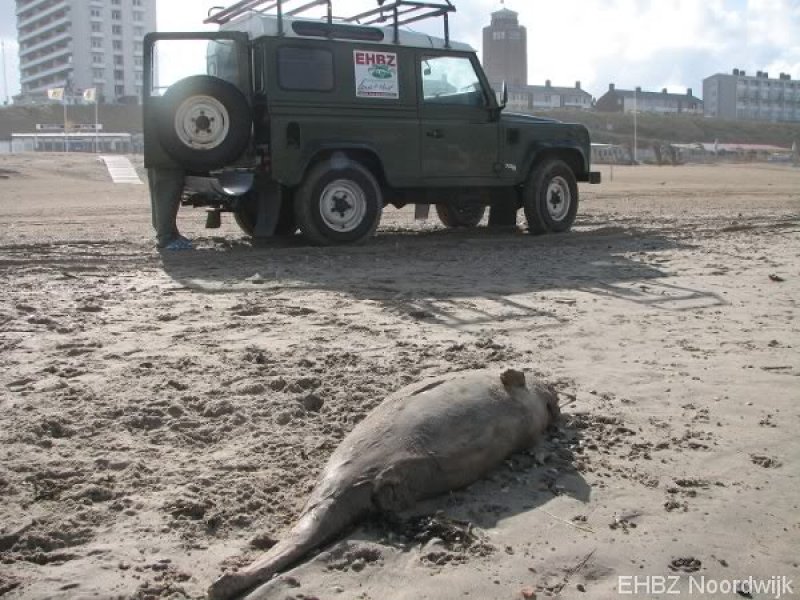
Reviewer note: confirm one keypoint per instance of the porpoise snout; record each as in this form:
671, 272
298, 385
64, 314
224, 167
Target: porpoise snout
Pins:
512, 378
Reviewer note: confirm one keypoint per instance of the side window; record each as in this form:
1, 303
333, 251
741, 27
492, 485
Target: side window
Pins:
450, 80
305, 69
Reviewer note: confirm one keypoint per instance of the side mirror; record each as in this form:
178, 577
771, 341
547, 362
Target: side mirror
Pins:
502, 102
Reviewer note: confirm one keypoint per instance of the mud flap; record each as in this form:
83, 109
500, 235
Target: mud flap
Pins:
270, 198
421, 212
503, 213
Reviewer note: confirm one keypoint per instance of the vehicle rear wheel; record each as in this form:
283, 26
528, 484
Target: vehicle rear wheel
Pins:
460, 214
551, 198
204, 123
339, 202
246, 215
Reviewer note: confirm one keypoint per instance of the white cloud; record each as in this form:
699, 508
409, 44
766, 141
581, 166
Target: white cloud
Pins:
629, 42
775, 24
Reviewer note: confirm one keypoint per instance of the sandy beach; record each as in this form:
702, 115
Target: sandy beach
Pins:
164, 417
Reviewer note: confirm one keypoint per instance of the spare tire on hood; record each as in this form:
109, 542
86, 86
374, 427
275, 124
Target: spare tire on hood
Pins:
204, 123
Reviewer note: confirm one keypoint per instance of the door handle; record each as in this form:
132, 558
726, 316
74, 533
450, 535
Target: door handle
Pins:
435, 134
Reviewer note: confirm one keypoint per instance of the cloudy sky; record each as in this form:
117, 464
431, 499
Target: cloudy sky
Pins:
648, 43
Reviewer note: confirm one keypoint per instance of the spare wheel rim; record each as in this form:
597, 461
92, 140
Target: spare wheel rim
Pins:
343, 205
202, 122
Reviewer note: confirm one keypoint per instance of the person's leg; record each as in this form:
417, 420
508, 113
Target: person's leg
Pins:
166, 187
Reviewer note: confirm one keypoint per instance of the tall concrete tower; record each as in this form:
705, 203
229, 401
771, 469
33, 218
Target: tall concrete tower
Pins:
505, 49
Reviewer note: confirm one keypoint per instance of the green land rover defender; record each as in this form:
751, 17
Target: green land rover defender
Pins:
316, 124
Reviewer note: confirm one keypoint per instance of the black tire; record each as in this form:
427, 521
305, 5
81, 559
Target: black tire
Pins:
460, 215
339, 202
246, 215
550, 198
223, 123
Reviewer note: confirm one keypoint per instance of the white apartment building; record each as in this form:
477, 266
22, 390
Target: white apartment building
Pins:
81, 44
752, 97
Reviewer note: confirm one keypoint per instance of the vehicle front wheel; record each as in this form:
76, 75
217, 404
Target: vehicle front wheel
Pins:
551, 198
460, 215
340, 202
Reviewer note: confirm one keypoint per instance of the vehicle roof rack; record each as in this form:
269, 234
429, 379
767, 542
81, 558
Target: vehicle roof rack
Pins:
394, 14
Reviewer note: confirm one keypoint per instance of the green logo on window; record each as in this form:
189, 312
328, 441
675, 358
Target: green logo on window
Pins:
381, 72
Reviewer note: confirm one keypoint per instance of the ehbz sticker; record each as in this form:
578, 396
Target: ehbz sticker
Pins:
376, 75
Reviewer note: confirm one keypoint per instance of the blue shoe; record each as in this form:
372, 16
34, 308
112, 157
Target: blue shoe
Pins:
179, 243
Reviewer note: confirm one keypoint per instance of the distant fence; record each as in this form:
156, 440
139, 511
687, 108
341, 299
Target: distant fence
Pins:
610, 154
677, 154
108, 143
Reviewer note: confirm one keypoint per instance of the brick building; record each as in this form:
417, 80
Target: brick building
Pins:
616, 100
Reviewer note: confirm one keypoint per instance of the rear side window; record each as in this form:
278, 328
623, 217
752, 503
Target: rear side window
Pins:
305, 69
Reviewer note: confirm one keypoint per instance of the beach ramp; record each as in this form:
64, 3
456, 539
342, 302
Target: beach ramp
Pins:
121, 170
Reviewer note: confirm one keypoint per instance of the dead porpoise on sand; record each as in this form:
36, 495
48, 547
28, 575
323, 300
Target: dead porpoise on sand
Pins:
426, 439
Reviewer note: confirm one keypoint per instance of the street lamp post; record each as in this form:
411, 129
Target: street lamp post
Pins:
66, 134
635, 129
5, 76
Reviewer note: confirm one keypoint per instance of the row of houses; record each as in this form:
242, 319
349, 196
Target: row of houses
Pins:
526, 98
664, 102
